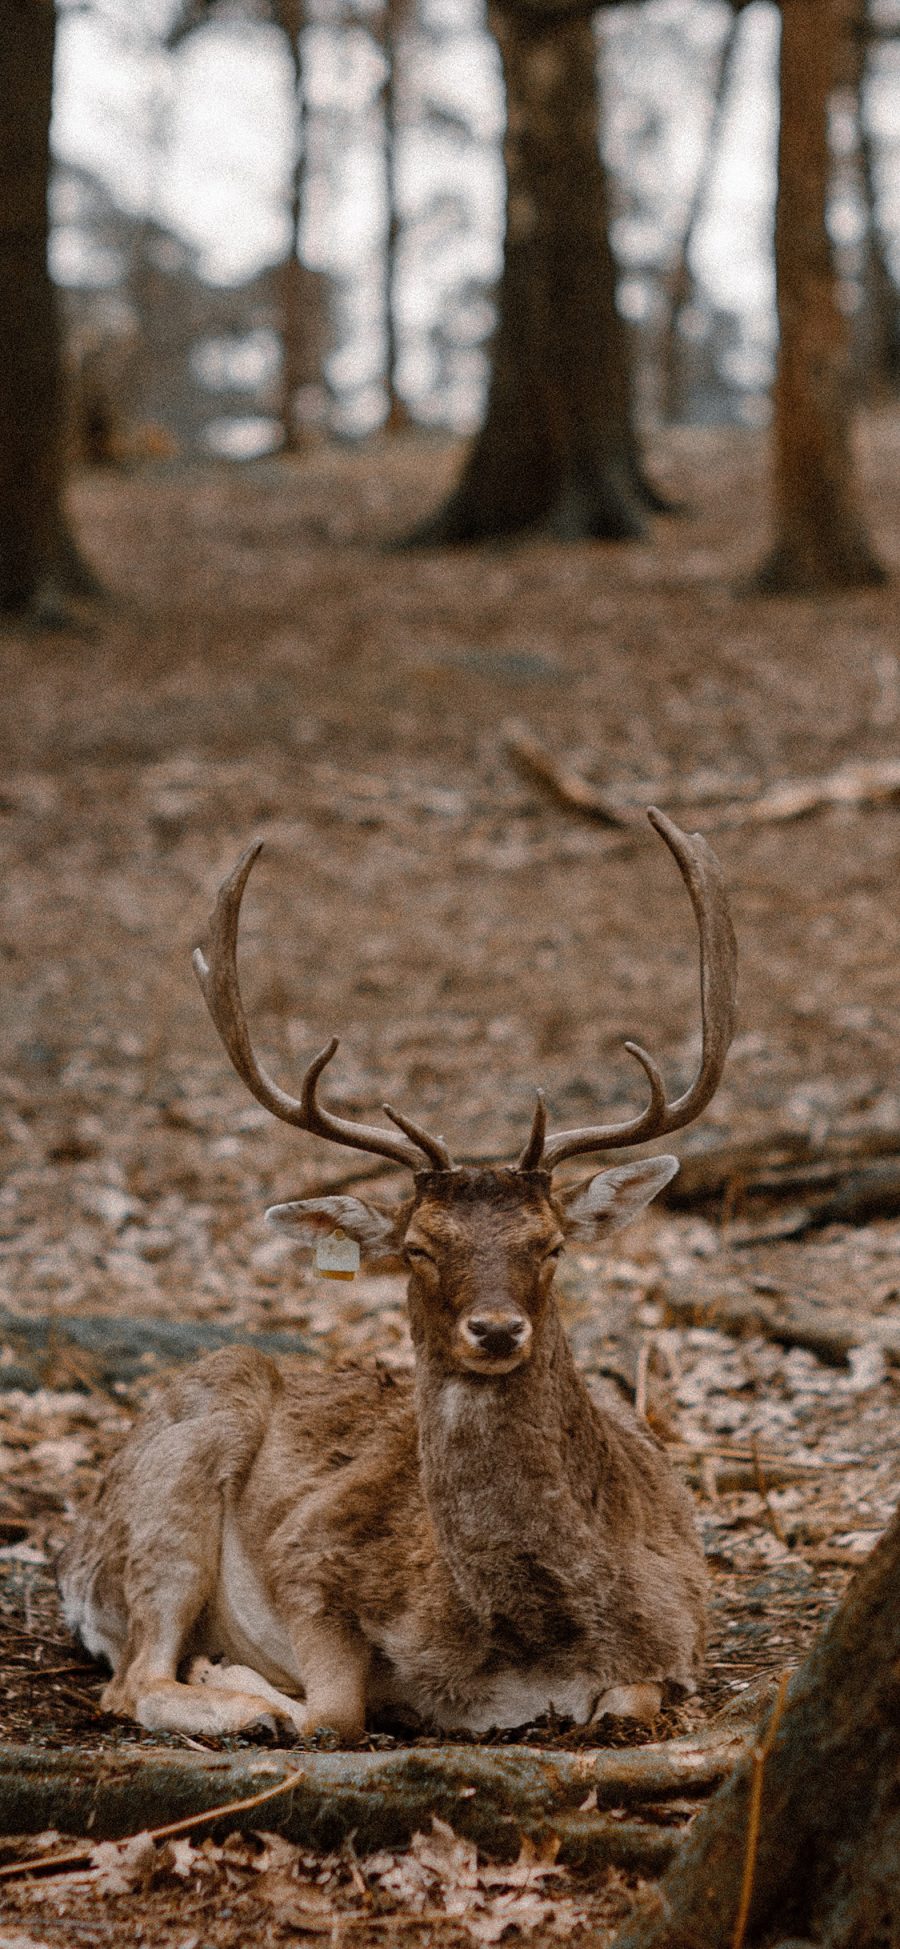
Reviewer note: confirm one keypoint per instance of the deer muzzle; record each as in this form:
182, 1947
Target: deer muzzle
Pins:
494, 1340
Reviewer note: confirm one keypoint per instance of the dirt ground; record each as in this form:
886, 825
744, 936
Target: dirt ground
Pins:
269, 667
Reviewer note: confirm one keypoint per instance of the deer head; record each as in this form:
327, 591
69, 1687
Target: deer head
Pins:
480, 1245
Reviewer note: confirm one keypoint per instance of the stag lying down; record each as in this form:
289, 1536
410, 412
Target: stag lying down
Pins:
475, 1544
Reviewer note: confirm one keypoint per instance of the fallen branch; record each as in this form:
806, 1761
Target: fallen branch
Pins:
830, 1332
870, 1191
780, 1162
847, 1177
793, 798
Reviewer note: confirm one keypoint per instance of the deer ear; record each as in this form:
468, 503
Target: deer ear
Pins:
613, 1198
308, 1220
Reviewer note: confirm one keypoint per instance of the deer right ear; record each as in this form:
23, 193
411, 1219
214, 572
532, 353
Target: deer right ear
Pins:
309, 1220
614, 1198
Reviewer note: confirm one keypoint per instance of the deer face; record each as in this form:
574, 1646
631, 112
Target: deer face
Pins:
481, 1249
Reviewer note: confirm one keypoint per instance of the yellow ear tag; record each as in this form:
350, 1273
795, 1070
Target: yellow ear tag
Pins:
337, 1256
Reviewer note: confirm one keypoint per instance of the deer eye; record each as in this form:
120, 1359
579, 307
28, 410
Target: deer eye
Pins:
555, 1251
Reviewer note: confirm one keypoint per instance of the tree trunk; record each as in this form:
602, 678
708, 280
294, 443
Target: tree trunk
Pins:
293, 284
30, 383
882, 347
827, 1859
682, 283
558, 451
399, 418
820, 538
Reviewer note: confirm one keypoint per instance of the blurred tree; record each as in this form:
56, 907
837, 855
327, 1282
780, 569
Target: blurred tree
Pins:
398, 415
39, 565
303, 322
558, 450
682, 292
820, 539
291, 18
803, 1840
882, 297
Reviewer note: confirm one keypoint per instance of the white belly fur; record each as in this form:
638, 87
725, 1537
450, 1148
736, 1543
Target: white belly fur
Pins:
245, 1628
515, 1698
243, 1625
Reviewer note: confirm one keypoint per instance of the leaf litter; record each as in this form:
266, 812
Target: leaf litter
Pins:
467, 941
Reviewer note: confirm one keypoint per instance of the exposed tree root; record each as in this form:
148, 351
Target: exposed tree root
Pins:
491, 1795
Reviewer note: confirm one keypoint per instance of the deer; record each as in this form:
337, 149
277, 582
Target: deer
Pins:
469, 1545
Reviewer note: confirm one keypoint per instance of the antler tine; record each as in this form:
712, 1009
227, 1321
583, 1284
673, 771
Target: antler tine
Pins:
434, 1147
530, 1159
216, 971
702, 875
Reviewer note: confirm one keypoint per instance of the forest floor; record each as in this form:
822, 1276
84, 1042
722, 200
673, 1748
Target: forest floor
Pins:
270, 668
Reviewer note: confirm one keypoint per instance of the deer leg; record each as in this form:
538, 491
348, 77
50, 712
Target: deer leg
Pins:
333, 1662
334, 1665
241, 1680
169, 1579
147, 1689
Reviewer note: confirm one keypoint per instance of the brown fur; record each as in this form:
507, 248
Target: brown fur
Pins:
475, 1543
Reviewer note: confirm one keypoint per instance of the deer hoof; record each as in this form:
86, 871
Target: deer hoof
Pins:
641, 1702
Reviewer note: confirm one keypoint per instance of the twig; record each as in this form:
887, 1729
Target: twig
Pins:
80, 1857
762, 1490
754, 1812
427, 1919
83, 1700
60, 1671
640, 1384
781, 1161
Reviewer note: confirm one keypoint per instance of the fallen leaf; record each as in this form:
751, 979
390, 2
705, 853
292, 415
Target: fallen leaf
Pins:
120, 1866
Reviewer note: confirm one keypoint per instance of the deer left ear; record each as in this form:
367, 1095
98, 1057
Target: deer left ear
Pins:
613, 1198
308, 1220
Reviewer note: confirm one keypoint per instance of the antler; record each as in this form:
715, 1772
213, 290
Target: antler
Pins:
702, 875
216, 972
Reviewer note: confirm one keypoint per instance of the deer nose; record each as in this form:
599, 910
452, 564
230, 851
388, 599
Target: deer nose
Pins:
498, 1338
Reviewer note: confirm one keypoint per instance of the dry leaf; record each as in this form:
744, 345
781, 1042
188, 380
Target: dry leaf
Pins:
536, 1859
294, 1906
120, 1866
183, 1857
276, 1853
11, 1939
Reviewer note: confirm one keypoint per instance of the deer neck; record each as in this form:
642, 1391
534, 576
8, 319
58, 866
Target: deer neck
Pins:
508, 1469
